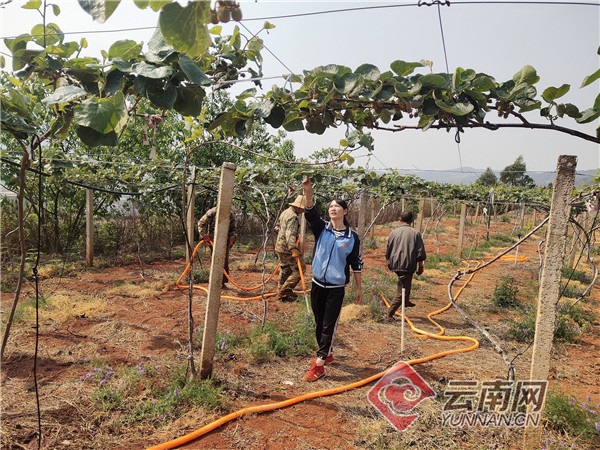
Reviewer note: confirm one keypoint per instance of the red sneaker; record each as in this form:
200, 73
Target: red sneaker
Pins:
314, 373
328, 360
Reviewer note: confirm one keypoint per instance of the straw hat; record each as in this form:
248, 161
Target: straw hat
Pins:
299, 202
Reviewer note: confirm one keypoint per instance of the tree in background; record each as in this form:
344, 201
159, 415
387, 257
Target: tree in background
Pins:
514, 174
488, 178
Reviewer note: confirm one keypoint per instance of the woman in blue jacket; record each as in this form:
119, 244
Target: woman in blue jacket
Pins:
337, 248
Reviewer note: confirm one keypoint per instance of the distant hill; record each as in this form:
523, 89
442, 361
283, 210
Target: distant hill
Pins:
468, 175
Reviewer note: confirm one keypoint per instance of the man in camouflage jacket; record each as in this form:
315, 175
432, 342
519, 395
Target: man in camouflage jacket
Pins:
288, 226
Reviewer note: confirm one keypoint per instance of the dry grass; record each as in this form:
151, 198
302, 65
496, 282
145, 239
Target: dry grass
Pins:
150, 289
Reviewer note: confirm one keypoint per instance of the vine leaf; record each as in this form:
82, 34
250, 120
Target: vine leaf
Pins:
185, 28
102, 114
64, 94
100, 10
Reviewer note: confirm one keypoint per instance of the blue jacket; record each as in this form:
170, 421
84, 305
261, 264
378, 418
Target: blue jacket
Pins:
332, 257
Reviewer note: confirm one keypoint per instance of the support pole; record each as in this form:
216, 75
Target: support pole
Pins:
420, 217
402, 325
215, 280
191, 206
89, 227
549, 291
362, 213
461, 228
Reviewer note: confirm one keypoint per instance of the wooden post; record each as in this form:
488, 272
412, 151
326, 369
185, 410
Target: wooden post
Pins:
362, 213
191, 223
89, 227
420, 217
302, 241
461, 228
213, 302
522, 216
549, 291
403, 203
373, 209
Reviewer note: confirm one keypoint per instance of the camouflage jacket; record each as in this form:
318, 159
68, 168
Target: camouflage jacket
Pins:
206, 225
288, 227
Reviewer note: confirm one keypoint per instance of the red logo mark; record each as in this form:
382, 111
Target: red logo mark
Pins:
399, 391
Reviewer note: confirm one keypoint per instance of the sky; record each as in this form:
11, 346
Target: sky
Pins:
559, 41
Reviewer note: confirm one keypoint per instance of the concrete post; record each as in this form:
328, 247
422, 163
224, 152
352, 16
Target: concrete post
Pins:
89, 227
213, 302
549, 291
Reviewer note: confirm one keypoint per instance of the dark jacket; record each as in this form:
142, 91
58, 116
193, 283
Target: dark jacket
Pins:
405, 249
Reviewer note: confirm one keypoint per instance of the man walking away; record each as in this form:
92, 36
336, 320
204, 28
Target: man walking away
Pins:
405, 254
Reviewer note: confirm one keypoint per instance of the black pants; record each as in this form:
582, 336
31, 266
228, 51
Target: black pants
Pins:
326, 305
404, 281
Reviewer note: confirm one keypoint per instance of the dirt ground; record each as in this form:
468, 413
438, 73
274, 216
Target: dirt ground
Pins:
129, 328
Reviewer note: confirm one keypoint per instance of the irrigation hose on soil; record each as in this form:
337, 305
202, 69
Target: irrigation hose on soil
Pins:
228, 297
311, 395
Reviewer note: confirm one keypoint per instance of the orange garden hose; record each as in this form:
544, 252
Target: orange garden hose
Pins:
311, 395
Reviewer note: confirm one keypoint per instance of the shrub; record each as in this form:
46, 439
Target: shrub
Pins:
571, 321
151, 394
565, 415
505, 293
576, 275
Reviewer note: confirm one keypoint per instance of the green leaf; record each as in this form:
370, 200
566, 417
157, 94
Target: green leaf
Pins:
192, 71
220, 120
268, 26
102, 114
241, 106
123, 66
52, 34
61, 125
458, 109
568, 109
526, 75
432, 79
100, 10
315, 125
346, 157
64, 94
277, 116
32, 4
345, 83
163, 96
185, 28
550, 94
124, 49
189, 100
114, 81
262, 108
483, 82
151, 71
158, 49
294, 125
591, 78
404, 88
55, 9
368, 71
63, 50
15, 101
527, 104
403, 68
385, 93
93, 138
589, 115
155, 5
